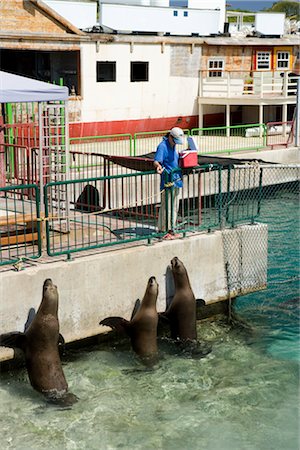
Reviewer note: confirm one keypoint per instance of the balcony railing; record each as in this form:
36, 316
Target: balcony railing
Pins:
255, 84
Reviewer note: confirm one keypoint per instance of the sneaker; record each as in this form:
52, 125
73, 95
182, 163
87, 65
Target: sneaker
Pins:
168, 237
174, 235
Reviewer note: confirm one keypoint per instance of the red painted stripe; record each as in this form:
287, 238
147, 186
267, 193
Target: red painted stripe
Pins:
131, 126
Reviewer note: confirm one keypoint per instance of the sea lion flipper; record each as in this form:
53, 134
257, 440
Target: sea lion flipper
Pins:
116, 323
61, 339
31, 315
14, 339
200, 302
135, 308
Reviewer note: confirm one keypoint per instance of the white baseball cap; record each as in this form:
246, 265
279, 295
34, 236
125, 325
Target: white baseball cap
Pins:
177, 135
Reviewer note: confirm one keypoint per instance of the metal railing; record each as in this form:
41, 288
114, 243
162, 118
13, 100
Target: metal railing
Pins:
122, 209
20, 224
230, 139
280, 134
238, 84
147, 142
106, 211
89, 155
114, 144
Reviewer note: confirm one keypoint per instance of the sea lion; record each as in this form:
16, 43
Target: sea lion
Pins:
39, 343
181, 312
142, 328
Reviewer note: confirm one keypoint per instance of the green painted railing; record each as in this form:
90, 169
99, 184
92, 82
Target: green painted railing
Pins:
230, 139
112, 144
147, 142
211, 140
20, 224
112, 210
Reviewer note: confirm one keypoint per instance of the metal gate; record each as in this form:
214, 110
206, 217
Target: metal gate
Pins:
54, 160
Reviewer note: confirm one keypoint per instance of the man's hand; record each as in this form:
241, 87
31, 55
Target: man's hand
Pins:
158, 167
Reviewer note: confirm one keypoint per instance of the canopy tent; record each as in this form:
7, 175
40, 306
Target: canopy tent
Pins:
18, 89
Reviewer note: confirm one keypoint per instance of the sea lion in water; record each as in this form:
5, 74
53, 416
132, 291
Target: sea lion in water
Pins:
181, 313
39, 343
142, 328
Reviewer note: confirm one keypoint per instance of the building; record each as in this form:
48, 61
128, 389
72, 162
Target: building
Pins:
123, 81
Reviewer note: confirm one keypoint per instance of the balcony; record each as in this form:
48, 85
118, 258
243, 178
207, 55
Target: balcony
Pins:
237, 87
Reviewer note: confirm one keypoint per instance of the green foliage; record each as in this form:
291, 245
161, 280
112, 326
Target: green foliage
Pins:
291, 9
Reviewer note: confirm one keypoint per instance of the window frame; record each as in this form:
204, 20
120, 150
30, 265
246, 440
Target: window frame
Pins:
135, 79
219, 71
287, 61
114, 71
264, 52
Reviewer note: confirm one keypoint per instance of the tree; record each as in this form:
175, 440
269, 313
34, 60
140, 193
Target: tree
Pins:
291, 9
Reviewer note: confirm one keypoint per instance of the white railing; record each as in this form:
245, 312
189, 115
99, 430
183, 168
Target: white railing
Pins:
259, 84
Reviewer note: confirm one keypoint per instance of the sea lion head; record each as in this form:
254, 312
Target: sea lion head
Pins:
50, 297
49, 289
177, 265
151, 291
179, 271
153, 285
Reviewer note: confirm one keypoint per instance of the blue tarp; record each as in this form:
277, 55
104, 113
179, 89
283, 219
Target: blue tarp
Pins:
16, 89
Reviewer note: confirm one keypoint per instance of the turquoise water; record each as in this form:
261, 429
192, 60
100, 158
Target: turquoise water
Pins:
275, 311
244, 395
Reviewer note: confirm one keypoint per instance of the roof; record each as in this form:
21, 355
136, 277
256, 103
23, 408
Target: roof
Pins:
253, 41
15, 89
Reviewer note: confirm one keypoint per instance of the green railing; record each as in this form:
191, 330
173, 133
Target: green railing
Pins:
120, 209
147, 142
231, 139
113, 144
106, 211
210, 140
20, 224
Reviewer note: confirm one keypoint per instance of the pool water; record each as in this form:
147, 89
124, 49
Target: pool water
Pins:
243, 395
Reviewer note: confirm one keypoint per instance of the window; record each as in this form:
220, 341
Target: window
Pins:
139, 71
175, 13
185, 13
263, 60
106, 71
283, 60
215, 68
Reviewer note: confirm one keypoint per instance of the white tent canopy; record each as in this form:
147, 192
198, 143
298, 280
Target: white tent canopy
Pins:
17, 89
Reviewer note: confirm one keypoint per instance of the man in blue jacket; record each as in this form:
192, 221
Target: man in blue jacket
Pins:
165, 161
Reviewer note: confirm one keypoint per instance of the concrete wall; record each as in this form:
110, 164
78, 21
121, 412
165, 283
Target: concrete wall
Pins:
94, 287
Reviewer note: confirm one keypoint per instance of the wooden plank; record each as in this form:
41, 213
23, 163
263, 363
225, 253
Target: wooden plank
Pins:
18, 239
17, 219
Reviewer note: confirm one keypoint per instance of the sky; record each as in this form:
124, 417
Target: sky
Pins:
250, 5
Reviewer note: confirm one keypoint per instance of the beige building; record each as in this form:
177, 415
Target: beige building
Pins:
125, 83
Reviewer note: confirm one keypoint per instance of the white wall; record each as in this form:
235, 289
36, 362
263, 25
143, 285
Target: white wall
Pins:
166, 94
176, 21
81, 14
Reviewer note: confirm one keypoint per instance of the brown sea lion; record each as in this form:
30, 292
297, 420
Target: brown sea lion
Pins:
39, 343
181, 313
182, 310
142, 328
